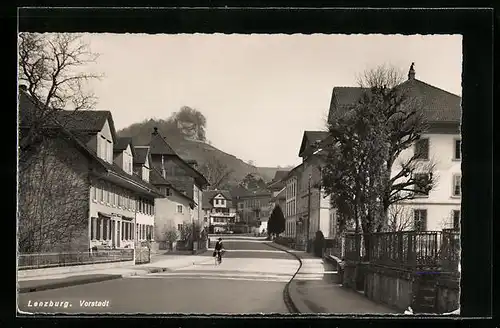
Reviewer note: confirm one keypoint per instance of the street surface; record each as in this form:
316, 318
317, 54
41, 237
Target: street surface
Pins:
250, 280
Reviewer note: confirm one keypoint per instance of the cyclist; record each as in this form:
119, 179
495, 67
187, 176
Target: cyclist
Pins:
218, 249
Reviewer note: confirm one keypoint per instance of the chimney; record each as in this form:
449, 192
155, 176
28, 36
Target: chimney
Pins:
411, 72
23, 87
155, 132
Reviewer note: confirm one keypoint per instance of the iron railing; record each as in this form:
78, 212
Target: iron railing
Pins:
432, 250
47, 260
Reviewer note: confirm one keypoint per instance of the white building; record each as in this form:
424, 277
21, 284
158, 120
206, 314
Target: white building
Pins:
440, 208
220, 214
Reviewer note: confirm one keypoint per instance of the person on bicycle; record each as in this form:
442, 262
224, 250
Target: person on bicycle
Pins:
219, 248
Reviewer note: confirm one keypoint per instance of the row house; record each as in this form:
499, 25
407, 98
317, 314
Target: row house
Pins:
220, 214
441, 145
173, 209
184, 179
307, 207
98, 199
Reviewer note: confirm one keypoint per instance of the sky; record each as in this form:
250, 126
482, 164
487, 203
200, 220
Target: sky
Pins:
259, 93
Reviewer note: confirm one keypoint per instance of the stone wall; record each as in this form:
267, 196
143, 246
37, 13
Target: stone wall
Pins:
425, 293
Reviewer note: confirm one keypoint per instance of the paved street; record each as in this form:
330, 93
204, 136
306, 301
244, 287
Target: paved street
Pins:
250, 279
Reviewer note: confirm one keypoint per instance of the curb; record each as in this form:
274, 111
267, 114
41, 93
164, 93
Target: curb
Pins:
84, 281
63, 284
292, 308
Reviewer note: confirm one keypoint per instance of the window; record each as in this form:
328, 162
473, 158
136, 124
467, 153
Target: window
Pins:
179, 208
420, 220
105, 229
216, 202
98, 230
422, 149
457, 185
100, 196
93, 228
123, 230
179, 226
422, 184
457, 154
109, 154
107, 196
456, 219
169, 192
94, 193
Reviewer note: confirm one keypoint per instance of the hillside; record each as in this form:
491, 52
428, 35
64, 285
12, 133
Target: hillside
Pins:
195, 150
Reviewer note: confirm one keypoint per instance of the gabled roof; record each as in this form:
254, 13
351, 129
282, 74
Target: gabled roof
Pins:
81, 129
159, 146
239, 192
294, 172
279, 175
122, 143
311, 138
209, 195
439, 106
157, 179
141, 153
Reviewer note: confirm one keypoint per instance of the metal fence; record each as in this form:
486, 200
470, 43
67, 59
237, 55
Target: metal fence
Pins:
48, 260
334, 247
435, 250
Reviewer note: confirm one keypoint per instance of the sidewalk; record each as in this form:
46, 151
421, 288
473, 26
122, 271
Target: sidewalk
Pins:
159, 263
314, 295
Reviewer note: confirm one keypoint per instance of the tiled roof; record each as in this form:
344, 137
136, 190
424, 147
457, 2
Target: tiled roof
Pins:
312, 137
156, 179
78, 131
279, 175
159, 145
141, 153
439, 105
87, 121
239, 191
84, 121
122, 143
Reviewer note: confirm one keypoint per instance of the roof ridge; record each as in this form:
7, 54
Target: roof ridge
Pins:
437, 88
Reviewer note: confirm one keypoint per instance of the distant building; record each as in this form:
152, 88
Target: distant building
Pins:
220, 214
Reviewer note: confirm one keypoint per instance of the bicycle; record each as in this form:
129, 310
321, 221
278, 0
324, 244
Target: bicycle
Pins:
218, 257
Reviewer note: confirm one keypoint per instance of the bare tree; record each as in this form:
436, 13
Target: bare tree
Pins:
216, 172
399, 218
52, 67
367, 143
52, 212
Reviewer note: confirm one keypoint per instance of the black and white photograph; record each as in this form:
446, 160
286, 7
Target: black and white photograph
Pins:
211, 173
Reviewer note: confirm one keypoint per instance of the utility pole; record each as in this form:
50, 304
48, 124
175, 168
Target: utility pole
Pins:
308, 212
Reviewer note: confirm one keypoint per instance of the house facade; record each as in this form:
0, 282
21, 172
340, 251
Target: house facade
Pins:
184, 177
92, 198
254, 207
440, 146
220, 214
173, 212
307, 207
